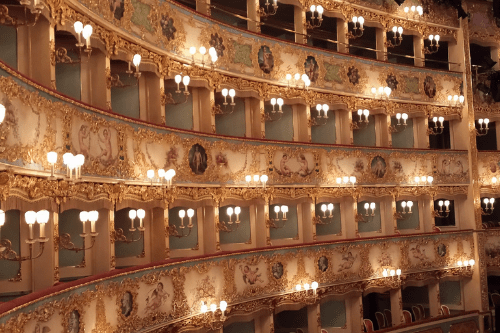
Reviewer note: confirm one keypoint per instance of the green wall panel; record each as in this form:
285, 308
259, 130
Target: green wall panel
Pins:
11, 231
404, 138
242, 327
124, 250
450, 292
366, 135
231, 124
178, 115
8, 41
324, 133
281, 129
125, 100
333, 314
68, 78
69, 223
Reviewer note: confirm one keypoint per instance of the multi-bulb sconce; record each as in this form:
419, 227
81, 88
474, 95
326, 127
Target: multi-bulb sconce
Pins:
226, 92
132, 214
404, 214
391, 273
397, 36
213, 317
415, 11
488, 209
266, 11
203, 50
442, 213
279, 112
319, 108
438, 128
367, 217
346, 181
358, 29
455, 100
30, 217
434, 45
360, 123
482, 130
423, 180
14, 21
278, 223
256, 180
324, 218
230, 226
306, 293
381, 92
400, 126
85, 32
65, 239
182, 214
136, 60
72, 162
464, 266
163, 176
298, 80
185, 81
315, 21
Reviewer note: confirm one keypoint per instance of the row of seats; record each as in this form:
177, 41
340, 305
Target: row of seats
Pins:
487, 225
384, 320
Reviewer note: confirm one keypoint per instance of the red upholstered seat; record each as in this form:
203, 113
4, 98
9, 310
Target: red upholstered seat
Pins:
368, 325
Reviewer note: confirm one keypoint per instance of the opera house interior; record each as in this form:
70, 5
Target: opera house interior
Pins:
249, 166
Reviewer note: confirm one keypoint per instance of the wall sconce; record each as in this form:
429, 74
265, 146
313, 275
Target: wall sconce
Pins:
225, 92
318, 219
256, 179
434, 46
213, 56
482, 131
15, 22
466, 264
494, 181
2, 113
73, 163
203, 50
52, 159
437, 129
392, 273
215, 318
319, 108
440, 213
455, 99
398, 37
302, 293
85, 32
399, 127
168, 176
361, 124
278, 223
346, 180
227, 226
315, 22
65, 239
414, 11
268, 115
173, 229
265, 12
30, 217
381, 92
488, 209
367, 217
132, 214
404, 214
185, 80
136, 60
424, 180
357, 31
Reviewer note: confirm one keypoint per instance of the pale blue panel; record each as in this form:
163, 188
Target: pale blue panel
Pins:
231, 124
373, 222
125, 100
122, 249
366, 135
335, 226
404, 138
11, 231
180, 114
333, 314
69, 223
323, 133
68, 78
243, 327
188, 242
281, 129
410, 221
242, 233
450, 292
8, 40
291, 226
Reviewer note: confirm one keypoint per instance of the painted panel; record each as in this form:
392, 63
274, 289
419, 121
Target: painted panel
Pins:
122, 249
332, 224
372, 223
189, 242
408, 221
242, 233
333, 314
69, 223
324, 133
281, 129
231, 124
365, 136
290, 228
404, 138
11, 231
125, 100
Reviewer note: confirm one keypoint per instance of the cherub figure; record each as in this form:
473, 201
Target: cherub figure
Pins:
304, 166
417, 253
347, 261
106, 140
156, 299
284, 169
83, 135
249, 276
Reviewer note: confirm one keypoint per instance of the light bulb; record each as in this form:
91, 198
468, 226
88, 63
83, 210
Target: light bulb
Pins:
52, 157
313, 8
248, 178
42, 216
78, 27
449, 97
318, 107
320, 9
178, 79
93, 215
409, 204
237, 210
192, 50
323, 208
273, 101
161, 173
393, 272
437, 38
150, 174
407, 9
229, 211
494, 180
372, 205
232, 92
352, 179
403, 204
394, 29
431, 37
284, 209
182, 213
398, 116
345, 179
255, 178
190, 212
472, 262
387, 91
398, 272
492, 200
297, 76
400, 30
447, 203
185, 80
423, 178
455, 98
211, 51
132, 214
440, 203
405, 116
361, 20
2, 113
374, 90
264, 178
354, 19
360, 112
304, 77
288, 77
366, 112
276, 209
486, 201
441, 119
330, 206
136, 60
30, 217
223, 305
84, 216
87, 31
203, 50
430, 179
298, 287
306, 286
213, 307
224, 92
326, 107
314, 285
384, 273
204, 307
417, 179
459, 263
367, 205
280, 101
141, 213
